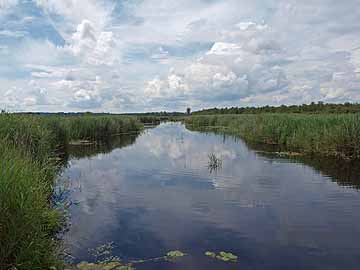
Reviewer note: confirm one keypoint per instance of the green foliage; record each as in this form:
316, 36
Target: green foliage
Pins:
28, 148
103, 266
210, 254
98, 127
103, 253
26, 220
174, 254
311, 108
227, 256
104, 259
335, 135
27, 133
222, 255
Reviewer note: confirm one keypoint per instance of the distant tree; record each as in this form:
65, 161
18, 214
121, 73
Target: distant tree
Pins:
188, 110
311, 108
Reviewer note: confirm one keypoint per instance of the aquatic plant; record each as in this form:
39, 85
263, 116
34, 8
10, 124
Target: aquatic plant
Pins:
223, 256
27, 221
336, 135
103, 253
214, 163
103, 266
210, 254
227, 256
171, 255
104, 259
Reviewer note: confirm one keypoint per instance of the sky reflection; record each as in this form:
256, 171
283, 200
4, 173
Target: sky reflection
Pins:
158, 195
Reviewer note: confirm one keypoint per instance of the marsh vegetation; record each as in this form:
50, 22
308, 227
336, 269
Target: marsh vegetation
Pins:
29, 158
29, 148
335, 135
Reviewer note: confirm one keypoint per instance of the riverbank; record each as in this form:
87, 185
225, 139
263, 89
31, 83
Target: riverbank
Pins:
335, 135
29, 146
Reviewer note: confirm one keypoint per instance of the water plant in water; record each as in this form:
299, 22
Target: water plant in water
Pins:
103, 266
171, 255
109, 262
223, 256
210, 254
104, 260
103, 253
214, 163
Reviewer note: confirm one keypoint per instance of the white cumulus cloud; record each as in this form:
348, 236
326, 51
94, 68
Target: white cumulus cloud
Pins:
175, 54
242, 63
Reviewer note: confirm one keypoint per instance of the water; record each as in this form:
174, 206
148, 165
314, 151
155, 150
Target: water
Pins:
158, 194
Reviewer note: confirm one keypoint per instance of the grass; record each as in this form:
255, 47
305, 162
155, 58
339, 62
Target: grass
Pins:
28, 147
27, 221
99, 127
336, 135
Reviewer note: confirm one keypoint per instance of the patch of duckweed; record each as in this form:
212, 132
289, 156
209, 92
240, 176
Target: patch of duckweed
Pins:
175, 254
104, 266
227, 256
103, 253
104, 260
223, 256
210, 254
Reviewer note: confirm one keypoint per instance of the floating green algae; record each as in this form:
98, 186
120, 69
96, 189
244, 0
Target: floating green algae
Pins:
175, 254
104, 260
104, 266
210, 254
223, 256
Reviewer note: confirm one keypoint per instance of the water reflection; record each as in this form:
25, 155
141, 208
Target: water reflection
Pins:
70, 152
345, 173
89, 150
157, 195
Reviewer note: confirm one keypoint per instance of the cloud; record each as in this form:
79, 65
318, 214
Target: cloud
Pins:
4, 4
15, 34
73, 12
96, 47
37, 96
242, 63
29, 96
178, 53
269, 63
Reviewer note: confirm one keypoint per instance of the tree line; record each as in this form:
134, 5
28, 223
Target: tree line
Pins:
311, 108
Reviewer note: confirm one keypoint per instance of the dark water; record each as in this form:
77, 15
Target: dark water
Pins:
157, 195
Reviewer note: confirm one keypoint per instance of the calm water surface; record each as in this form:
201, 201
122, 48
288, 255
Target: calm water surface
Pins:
157, 194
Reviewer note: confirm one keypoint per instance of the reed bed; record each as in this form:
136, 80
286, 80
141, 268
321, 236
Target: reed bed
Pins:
27, 222
336, 135
99, 127
28, 147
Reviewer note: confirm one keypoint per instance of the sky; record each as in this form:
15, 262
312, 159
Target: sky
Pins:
145, 55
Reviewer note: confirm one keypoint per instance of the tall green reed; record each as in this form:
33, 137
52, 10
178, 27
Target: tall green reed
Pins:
28, 147
331, 135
